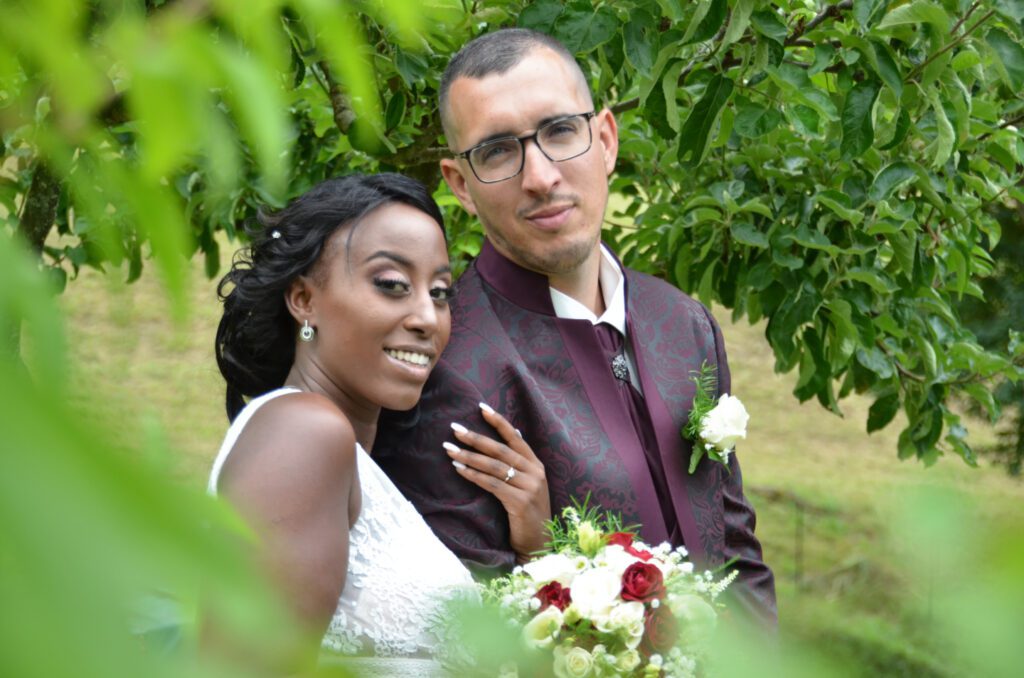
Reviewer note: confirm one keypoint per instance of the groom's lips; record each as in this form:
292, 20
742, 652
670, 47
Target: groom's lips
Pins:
550, 218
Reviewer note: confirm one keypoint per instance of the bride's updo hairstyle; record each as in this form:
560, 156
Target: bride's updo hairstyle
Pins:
256, 337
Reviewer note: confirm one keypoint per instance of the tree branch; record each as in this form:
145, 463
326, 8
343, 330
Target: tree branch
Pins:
1011, 121
344, 116
964, 18
955, 43
829, 12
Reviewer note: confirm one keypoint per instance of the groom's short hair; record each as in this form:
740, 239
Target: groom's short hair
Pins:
498, 52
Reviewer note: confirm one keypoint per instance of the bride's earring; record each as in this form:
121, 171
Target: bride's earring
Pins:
306, 333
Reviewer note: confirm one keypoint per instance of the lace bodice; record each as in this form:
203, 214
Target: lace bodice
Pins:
399, 573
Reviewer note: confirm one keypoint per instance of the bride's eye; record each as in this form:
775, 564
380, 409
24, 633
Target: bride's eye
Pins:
442, 294
392, 286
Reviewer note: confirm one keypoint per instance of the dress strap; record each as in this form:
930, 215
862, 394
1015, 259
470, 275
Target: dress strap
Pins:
235, 430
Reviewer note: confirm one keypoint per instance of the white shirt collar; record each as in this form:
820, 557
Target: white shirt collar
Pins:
613, 290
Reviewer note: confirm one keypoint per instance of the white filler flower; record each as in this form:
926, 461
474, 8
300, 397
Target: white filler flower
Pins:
724, 425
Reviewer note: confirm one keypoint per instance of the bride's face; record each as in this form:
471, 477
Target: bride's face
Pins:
381, 306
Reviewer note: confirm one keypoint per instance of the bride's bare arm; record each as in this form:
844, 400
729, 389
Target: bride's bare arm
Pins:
512, 473
292, 476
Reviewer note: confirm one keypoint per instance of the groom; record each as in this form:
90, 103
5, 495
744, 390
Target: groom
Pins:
591, 361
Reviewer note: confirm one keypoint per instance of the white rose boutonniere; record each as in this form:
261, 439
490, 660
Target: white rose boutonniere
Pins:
715, 426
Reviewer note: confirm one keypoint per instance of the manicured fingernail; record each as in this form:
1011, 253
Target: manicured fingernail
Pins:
451, 448
519, 433
459, 428
486, 408
458, 464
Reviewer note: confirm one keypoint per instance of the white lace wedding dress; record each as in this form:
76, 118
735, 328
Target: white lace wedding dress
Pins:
389, 617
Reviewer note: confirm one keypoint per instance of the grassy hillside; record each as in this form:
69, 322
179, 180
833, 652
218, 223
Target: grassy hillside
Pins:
825, 491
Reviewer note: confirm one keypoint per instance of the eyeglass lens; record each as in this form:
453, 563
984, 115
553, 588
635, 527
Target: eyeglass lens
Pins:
559, 140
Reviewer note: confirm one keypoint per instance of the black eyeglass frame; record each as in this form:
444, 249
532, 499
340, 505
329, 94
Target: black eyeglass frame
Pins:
522, 146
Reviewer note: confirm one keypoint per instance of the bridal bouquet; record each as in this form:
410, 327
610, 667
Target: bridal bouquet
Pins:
602, 603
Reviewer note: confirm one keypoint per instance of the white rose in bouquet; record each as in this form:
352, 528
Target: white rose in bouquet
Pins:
552, 567
625, 620
542, 630
725, 425
573, 663
615, 558
594, 592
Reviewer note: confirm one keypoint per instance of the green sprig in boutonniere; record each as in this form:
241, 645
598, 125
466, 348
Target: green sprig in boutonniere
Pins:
715, 425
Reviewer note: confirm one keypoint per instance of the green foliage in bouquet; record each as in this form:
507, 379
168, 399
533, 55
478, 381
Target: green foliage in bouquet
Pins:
583, 528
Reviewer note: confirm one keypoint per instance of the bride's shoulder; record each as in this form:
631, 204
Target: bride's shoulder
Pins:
295, 439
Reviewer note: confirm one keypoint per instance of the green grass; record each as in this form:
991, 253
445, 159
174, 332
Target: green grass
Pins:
825, 491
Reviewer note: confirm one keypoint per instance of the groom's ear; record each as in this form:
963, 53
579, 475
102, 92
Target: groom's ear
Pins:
452, 171
299, 300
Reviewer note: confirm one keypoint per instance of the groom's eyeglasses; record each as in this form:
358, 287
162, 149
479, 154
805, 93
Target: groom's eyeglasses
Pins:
560, 139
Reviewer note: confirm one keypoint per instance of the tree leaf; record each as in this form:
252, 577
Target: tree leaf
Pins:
824, 53
696, 132
1010, 56
640, 39
541, 15
886, 67
754, 120
858, 128
395, 111
840, 205
709, 23
863, 9
767, 23
945, 136
655, 112
582, 30
804, 119
883, 411
890, 178
872, 358
871, 277
1011, 9
739, 19
748, 234
900, 133
917, 12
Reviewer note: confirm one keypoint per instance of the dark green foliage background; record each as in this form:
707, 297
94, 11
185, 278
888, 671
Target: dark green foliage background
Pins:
837, 168
826, 166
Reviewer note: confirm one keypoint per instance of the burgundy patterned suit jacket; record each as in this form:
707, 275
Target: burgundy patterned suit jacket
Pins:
548, 376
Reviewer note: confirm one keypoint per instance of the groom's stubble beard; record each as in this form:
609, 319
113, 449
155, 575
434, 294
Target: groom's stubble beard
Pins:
545, 259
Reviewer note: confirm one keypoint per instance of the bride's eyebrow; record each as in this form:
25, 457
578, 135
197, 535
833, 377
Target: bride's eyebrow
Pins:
384, 254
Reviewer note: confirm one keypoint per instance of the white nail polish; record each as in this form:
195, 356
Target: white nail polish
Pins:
519, 433
448, 446
458, 464
486, 408
459, 428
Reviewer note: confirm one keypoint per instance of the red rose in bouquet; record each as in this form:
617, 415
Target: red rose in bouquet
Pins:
661, 631
554, 594
625, 540
642, 582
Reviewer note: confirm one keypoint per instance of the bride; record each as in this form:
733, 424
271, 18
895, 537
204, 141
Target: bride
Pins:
340, 308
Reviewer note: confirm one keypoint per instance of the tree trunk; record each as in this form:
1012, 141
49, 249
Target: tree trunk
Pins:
40, 207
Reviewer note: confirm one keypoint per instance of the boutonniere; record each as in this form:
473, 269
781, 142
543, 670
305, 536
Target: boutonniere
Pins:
715, 425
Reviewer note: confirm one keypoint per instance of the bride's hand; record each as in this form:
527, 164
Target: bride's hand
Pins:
512, 473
